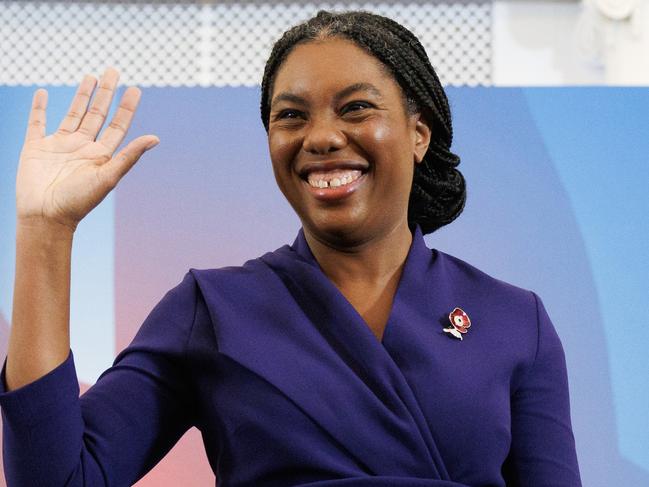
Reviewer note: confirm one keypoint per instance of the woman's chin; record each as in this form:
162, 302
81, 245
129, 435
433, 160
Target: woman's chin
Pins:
336, 231
346, 231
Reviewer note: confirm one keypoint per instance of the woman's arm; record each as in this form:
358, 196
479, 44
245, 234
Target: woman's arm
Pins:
123, 425
50, 436
61, 178
543, 447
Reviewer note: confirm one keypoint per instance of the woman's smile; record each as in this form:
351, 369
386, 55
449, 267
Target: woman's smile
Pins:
334, 178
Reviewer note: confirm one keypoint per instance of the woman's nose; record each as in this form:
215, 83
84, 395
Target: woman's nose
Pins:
322, 137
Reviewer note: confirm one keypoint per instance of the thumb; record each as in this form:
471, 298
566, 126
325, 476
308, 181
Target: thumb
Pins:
125, 159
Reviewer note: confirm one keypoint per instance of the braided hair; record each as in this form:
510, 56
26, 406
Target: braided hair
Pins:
438, 190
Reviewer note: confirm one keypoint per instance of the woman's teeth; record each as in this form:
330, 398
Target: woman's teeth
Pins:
333, 179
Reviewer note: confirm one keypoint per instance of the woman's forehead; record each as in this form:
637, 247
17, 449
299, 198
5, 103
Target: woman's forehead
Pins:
331, 65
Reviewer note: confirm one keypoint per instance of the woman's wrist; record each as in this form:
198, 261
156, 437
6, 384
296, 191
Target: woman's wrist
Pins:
43, 231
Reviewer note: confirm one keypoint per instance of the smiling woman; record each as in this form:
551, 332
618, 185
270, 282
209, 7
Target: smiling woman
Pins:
339, 117
329, 362
394, 55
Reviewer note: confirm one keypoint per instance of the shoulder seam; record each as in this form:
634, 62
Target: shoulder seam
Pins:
185, 362
191, 328
538, 329
538, 343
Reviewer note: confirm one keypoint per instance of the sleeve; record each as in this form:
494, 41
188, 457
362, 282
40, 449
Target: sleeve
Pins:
543, 447
122, 426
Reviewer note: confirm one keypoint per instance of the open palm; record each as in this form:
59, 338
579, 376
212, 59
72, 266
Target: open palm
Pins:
63, 176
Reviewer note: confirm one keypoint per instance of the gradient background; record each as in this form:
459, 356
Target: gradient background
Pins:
557, 203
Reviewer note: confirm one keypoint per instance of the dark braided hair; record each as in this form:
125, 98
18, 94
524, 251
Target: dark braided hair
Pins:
438, 189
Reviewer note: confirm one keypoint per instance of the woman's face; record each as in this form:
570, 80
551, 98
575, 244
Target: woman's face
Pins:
342, 145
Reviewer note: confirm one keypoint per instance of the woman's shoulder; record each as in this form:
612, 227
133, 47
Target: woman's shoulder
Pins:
504, 316
248, 281
250, 269
463, 275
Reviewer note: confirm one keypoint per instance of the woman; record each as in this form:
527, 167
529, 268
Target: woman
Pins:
356, 356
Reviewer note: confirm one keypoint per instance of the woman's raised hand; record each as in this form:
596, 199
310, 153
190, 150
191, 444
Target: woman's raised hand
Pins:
63, 176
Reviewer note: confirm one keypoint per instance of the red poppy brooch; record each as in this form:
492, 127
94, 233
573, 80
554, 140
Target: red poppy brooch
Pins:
460, 323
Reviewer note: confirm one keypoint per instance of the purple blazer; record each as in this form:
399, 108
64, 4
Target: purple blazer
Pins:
289, 386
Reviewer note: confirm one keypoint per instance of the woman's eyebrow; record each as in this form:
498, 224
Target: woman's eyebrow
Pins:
290, 97
293, 98
357, 87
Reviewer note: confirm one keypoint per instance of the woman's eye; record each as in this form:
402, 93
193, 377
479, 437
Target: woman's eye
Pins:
288, 114
356, 106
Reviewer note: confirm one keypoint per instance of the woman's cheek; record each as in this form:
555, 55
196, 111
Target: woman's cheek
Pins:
283, 148
379, 132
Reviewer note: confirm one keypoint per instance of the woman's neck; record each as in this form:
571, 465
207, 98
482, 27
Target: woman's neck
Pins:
367, 274
371, 261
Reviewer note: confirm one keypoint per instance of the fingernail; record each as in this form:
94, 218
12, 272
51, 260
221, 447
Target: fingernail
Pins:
151, 145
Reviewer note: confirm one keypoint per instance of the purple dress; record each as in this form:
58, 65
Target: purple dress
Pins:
289, 386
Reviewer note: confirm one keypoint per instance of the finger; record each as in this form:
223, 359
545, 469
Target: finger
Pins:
119, 165
78, 106
37, 116
113, 135
96, 114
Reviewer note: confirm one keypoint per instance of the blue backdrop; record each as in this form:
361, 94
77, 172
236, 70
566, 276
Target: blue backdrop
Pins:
557, 203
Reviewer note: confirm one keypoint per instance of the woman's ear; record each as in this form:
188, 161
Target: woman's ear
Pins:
422, 138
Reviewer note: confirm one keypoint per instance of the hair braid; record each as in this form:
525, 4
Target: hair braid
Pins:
438, 190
